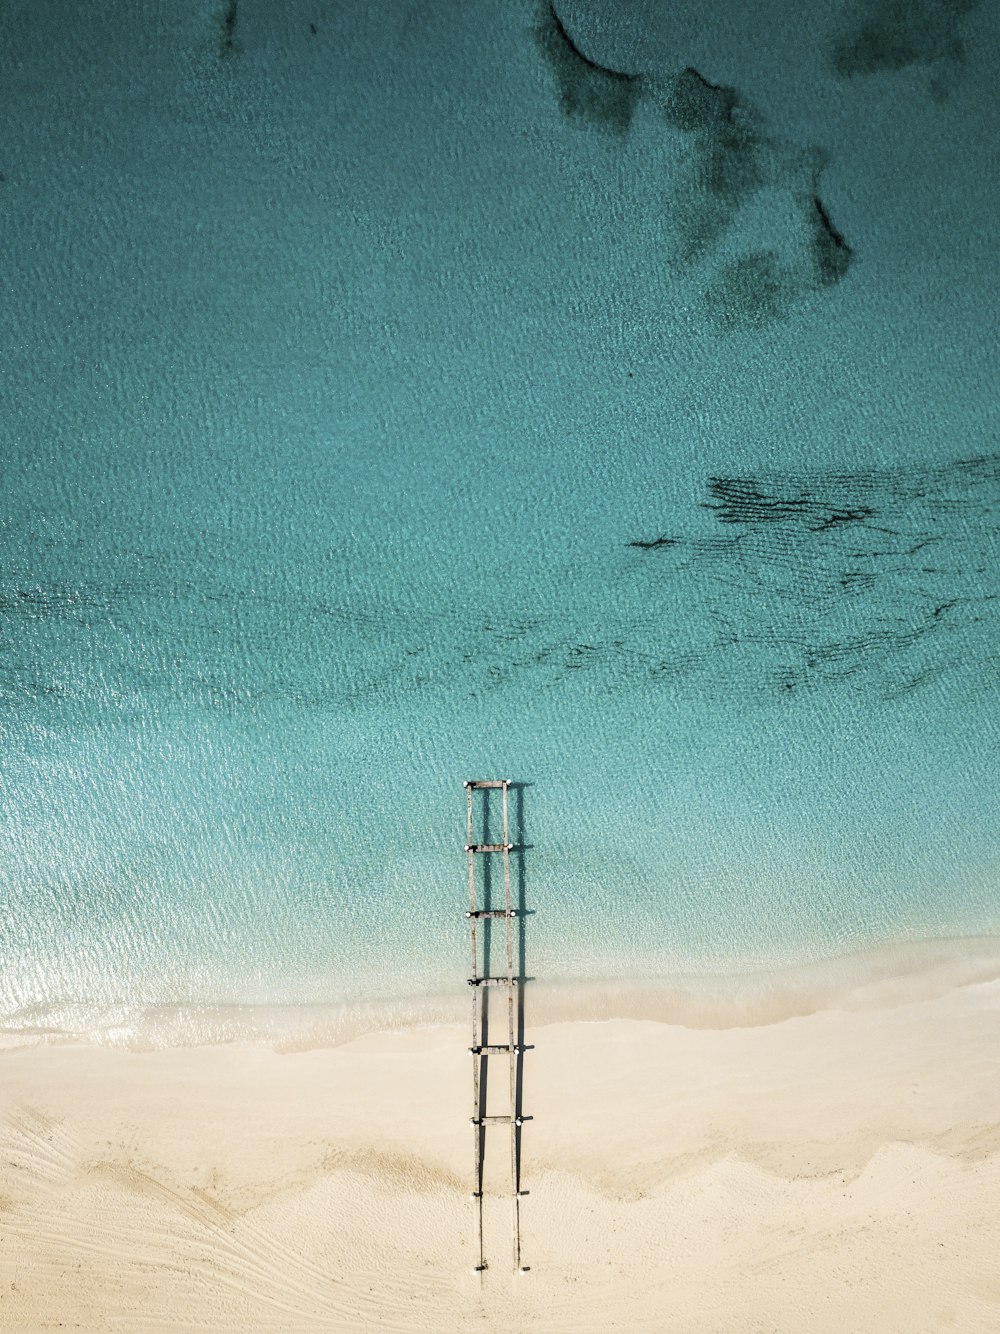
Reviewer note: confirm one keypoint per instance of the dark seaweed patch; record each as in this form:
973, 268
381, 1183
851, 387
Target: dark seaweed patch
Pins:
656, 544
733, 161
832, 561
892, 34
761, 287
801, 582
728, 148
695, 105
230, 18
750, 292
742, 500
831, 254
588, 91
728, 167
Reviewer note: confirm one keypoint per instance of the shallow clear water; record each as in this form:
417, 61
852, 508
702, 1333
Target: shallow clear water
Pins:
405, 402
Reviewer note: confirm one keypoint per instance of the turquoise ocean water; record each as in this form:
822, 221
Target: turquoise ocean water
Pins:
399, 393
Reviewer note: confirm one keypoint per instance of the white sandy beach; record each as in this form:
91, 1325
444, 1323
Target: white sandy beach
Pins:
833, 1171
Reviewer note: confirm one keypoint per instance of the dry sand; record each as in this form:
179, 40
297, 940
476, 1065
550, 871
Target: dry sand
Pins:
833, 1171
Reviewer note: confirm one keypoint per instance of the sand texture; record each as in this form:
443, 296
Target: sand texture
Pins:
835, 1171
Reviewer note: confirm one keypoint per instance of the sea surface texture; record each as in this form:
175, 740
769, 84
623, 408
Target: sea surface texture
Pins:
601, 396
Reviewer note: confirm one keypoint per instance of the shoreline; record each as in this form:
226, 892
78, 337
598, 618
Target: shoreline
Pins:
835, 1170
885, 974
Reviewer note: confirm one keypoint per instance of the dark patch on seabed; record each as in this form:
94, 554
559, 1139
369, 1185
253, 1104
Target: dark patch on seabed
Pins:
893, 34
876, 581
831, 253
876, 578
751, 291
733, 160
229, 20
728, 168
655, 544
588, 91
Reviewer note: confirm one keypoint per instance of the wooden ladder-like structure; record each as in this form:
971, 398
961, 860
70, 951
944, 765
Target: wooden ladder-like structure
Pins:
480, 982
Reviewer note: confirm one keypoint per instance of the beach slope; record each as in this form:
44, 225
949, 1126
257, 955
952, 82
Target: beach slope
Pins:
833, 1171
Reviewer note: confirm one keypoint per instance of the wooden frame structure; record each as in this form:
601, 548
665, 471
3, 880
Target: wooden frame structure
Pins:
480, 981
